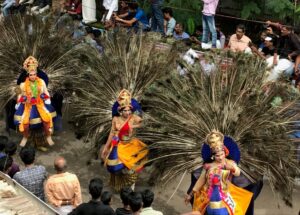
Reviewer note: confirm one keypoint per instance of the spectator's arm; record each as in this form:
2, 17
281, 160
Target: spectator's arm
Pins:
275, 24
49, 194
296, 43
258, 53
127, 22
123, 15
77, 193
275, 61
165, 27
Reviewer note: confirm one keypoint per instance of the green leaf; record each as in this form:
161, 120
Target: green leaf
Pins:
190, 25
249, 9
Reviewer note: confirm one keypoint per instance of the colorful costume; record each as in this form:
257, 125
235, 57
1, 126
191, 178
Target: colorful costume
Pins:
33, 108
127, 153
218, 196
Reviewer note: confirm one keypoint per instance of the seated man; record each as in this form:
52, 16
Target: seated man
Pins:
138, 22
179, 34
239, 42
74, 9
288, 48
269, 51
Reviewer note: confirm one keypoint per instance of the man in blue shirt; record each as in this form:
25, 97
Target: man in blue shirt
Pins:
139, 20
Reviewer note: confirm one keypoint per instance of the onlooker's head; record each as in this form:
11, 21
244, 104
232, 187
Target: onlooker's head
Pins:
269, 30
168, 13
27, 155
198, 31
124, 4
263, 35
135, 201
148, 197
218, 26
133, 6
3, 142
286, 30
89, 31
5, 163
106, 197
178, 28
95, 188
11, 148
270, 41
124, 195
240, 31
60, 164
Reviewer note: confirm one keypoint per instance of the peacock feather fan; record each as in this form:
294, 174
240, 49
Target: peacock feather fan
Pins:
131, 62
234, 100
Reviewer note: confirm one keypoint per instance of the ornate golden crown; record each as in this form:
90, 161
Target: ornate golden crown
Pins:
30, 64
124, 99
215, 140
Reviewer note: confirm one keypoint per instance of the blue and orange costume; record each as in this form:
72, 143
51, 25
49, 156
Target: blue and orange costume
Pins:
33, 106
127, 154
214, 194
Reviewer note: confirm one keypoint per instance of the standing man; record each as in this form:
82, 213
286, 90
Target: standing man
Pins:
33, 176
63, 189
157, 23
148, 197
208, 21
94, 206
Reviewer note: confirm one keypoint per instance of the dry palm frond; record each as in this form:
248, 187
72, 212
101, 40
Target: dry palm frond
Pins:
24, 36
184, 109
130, 62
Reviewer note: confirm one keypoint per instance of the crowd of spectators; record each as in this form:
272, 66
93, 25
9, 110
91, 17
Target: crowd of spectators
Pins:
278, 45
62, 190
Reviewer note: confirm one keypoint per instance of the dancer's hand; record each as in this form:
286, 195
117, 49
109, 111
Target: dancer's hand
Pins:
104, 153
187, 199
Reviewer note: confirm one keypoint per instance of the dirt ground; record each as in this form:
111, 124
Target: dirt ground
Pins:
81, 161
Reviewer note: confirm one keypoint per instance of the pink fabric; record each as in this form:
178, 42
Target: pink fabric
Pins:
209, 7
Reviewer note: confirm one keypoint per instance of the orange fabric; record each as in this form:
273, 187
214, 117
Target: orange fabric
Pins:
64, 186
131, 153
44, 114
240, 196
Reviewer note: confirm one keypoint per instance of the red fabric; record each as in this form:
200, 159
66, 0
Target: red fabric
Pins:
46, 96
79, 8
124, 130
114, 142
22, 99
33, 101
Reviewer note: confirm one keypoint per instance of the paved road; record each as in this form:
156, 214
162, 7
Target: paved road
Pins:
78, 155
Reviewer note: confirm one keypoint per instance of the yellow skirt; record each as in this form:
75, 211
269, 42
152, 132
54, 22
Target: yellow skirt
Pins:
133, 154
240, 196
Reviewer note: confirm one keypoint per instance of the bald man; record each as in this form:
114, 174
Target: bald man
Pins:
63, 189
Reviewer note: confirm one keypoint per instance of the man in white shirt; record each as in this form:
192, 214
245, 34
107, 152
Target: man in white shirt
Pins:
148, 197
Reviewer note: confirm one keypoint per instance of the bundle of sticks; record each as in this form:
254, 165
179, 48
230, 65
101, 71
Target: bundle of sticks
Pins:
16, 200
